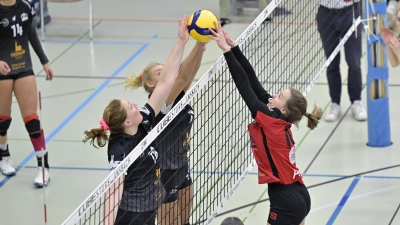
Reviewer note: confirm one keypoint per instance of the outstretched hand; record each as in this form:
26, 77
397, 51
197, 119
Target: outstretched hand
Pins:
386, 34
4, 68
394, 43
183, 33
229, 40
219, 37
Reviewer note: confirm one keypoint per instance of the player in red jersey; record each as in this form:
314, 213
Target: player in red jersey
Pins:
271, 138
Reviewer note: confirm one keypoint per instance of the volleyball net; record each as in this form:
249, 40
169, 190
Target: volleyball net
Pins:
285, 52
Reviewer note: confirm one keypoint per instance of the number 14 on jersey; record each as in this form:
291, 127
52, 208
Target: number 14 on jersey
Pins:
17, 29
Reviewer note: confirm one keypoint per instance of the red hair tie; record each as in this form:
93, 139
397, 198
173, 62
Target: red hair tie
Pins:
104, 125
142, 75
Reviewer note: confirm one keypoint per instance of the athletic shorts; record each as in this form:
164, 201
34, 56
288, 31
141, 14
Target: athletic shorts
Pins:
175, 180
290, 203
17, 76
135, 218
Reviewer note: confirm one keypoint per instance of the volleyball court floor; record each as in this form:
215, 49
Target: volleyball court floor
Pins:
90, 74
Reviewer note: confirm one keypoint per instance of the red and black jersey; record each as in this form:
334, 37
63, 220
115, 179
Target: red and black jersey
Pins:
274, 150
271, 138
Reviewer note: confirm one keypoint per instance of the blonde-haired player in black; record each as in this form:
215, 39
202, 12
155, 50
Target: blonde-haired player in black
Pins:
173, 143
142, 191
17, 30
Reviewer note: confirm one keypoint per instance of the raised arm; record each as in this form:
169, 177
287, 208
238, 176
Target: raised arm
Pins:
239, 76
187, 72
261, 93
170, 69
197, 64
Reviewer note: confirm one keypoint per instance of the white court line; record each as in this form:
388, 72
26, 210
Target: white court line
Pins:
354, 197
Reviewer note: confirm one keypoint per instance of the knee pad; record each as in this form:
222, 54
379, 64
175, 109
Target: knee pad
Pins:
5, 122
32, 125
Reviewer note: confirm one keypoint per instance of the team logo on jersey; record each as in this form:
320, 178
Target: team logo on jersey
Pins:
14, 18
24, 17
19, 51
5, 22
154, 154
296, 173
145, 110
191, 114
292, 155
144, 144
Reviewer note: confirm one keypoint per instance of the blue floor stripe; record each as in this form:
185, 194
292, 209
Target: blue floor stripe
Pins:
77, 110
97, 42
206, 172
343, 201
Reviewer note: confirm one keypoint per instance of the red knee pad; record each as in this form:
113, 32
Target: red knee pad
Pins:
32, 125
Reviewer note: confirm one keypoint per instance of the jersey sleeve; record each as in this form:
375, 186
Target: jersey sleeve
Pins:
166, 108
116, 155
243, 85
35, 42
261, 93
148, 116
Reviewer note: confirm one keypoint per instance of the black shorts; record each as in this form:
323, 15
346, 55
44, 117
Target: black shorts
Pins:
175, 180
135, 218
290, 203
17, 76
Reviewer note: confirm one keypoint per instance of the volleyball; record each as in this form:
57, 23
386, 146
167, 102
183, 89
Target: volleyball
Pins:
198, 25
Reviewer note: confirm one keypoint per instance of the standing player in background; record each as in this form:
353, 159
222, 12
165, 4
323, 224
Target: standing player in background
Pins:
334, 19
270, 135
138, 194
17, 30
173, 142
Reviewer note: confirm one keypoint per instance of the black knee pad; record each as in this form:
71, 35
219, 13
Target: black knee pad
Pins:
4, 125
33, 127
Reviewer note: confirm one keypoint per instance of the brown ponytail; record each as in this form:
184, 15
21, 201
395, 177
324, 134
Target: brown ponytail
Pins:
98, 135
314, 117
114, 116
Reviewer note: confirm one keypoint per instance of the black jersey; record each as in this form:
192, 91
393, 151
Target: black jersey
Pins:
15, 33
173, 141
143, 191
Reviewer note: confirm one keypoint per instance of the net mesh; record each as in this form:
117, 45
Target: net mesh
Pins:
285, 53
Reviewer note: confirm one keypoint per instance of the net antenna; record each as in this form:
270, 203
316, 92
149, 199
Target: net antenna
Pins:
43, 162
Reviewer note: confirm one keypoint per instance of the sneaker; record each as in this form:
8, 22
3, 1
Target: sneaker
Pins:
39, 178
334, 113
7, 166
358, 111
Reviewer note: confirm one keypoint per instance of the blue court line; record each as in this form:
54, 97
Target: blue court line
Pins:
343, 201
97, 42
77, 110
206, 172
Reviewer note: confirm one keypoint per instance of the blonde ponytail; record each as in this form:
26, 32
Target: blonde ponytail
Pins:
133, 82
137, 81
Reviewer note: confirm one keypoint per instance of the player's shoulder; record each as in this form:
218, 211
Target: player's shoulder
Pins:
25, 3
